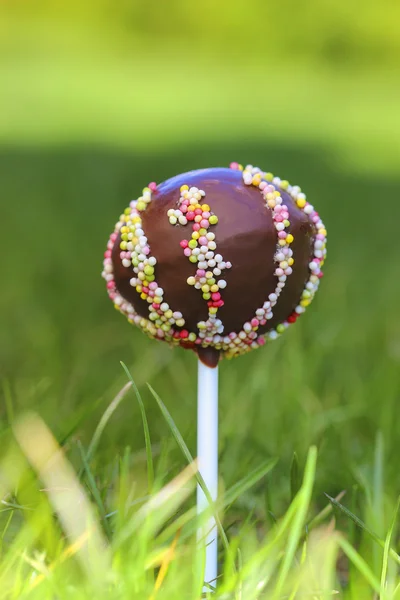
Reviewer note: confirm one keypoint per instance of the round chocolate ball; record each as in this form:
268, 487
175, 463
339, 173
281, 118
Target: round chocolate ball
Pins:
216, 260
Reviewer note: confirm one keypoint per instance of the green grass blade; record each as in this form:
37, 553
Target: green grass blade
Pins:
185, 451
112, 407
324, 513
362, 526
146, 430
295, 534
386, 551
294, 476
95, 492
360, 564
248, 481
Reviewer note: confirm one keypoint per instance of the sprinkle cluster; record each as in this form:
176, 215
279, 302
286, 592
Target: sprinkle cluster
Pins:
201, 250
135, 253
284, 255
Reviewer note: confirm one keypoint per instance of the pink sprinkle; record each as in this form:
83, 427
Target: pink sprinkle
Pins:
234, 166
278, 218
190, 215
110, 285
113, 237
196, 226
204, 223
320, 275
184, 208
200, 272
152, 186
282, 235
315, 219
198, 211
153, 285
146, 250
262, 185
184, 244
107, 254
187, 252
206, 214
228, 265
219, 303
232, 335
160, 333
279, 272
112, 295
261, 341
263, 321
203, 241
145, 289
198, 341
216, 296
151, 293
254, 323
155, 306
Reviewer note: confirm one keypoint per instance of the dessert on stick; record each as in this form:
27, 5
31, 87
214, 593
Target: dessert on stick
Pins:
218, 261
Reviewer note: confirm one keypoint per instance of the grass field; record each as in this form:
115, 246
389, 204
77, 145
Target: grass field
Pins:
311, 414
332, 381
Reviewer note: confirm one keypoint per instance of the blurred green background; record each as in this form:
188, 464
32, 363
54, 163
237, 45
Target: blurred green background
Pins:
99, 98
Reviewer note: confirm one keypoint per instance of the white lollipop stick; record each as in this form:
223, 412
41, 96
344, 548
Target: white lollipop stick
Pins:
207, 452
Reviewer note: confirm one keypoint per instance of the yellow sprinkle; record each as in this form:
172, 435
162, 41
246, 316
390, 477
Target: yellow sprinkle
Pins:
290, 261
289, 238
305, 303
322, 231
269, 176
143, 296
136, 219
205, 208
195, 235
141, 206
184, 188
213, 310
284, 184
214, 289
301, 202
282, 242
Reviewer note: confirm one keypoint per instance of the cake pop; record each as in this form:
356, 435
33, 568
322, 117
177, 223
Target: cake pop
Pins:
216, 260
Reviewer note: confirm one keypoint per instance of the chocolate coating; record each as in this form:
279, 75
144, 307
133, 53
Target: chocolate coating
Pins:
245, 235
